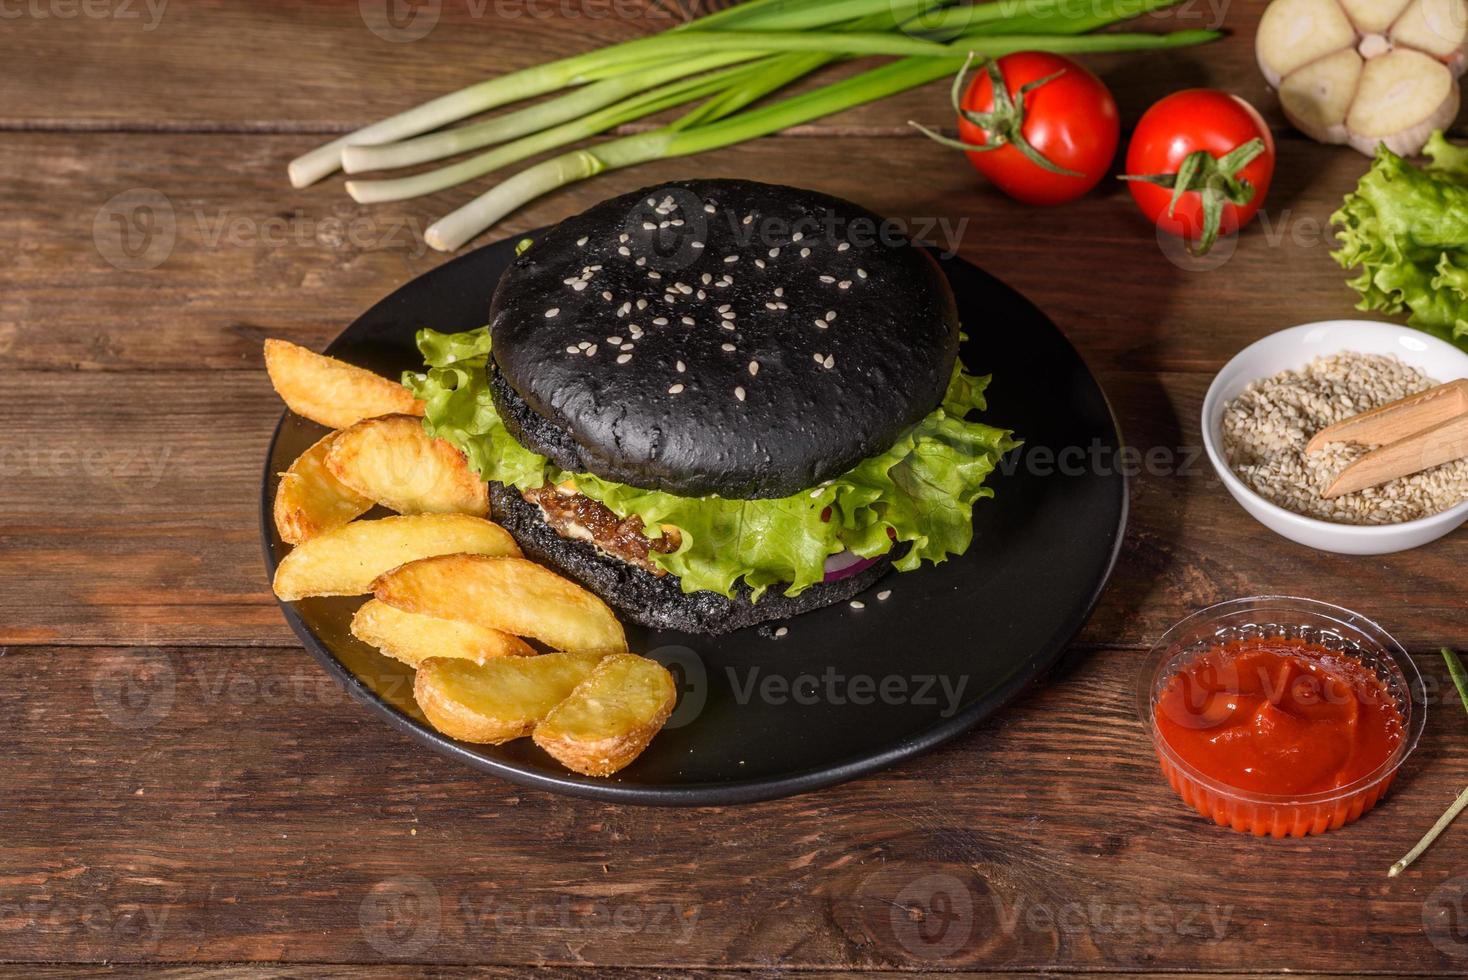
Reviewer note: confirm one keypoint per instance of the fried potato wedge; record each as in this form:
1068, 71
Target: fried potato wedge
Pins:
499, 700
332, 392
309, 500
509, 594
393, 461
414, 638
611, 716
347, 560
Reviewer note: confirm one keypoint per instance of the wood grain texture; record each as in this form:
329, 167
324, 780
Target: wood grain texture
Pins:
226, 805
184, 789
335, 971
326, 67
182, 252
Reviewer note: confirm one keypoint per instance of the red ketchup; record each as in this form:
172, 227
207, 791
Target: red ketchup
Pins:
1276, 717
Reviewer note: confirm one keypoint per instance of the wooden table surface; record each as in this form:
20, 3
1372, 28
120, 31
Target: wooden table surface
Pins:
182, 785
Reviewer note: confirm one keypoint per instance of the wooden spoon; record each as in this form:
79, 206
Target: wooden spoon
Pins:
1413, 434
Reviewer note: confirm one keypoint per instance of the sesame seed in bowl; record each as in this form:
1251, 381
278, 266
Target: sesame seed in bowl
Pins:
1267, 428
1266, 404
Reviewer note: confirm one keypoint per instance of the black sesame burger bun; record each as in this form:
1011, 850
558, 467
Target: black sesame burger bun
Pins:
809, 338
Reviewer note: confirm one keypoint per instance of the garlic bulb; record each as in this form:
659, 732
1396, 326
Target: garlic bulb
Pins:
1365, 72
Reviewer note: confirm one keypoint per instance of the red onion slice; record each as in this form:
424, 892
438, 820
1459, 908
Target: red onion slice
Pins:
844, 564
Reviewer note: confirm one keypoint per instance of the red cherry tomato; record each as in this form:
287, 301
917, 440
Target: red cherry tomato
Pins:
1068, 117
1183, 124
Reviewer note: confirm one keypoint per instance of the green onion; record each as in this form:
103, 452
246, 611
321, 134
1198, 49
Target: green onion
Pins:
800, 15
1459, 676
735, 87
727, 62
1460, 680
598, 95
766, 18
784, 70
787, 68
455, 229
387, 156
1052, 16
646, 104
1432, 835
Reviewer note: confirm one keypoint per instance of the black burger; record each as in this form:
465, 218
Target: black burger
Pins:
716, 403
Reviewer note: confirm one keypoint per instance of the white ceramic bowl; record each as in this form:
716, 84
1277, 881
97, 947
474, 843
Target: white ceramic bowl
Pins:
1294, 348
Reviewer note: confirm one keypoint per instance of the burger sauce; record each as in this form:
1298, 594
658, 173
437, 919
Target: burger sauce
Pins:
1279, 716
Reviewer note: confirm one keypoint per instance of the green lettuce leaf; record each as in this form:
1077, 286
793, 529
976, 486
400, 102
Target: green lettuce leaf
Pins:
922, 490
1406, 228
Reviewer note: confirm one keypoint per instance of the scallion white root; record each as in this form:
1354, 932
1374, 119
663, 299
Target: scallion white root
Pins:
449, 232
389, 156
647, 103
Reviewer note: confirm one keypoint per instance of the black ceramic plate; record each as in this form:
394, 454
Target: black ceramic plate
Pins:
843, 691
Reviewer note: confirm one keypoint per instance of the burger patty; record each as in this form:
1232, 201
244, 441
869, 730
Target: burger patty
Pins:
655, 601
576, 516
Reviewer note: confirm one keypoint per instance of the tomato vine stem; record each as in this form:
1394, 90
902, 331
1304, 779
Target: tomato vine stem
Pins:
1004, 123
1215, 179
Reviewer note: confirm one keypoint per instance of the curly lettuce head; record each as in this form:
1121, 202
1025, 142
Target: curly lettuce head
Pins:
1406, 228
921, 491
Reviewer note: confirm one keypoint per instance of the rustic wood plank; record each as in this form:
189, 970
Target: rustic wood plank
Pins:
332, 67
323, 971
137, 522
132, 507
236, 255
333, 971
254, 814
228, 805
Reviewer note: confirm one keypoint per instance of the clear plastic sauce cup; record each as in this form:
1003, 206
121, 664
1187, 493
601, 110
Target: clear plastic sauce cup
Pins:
1341, 632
